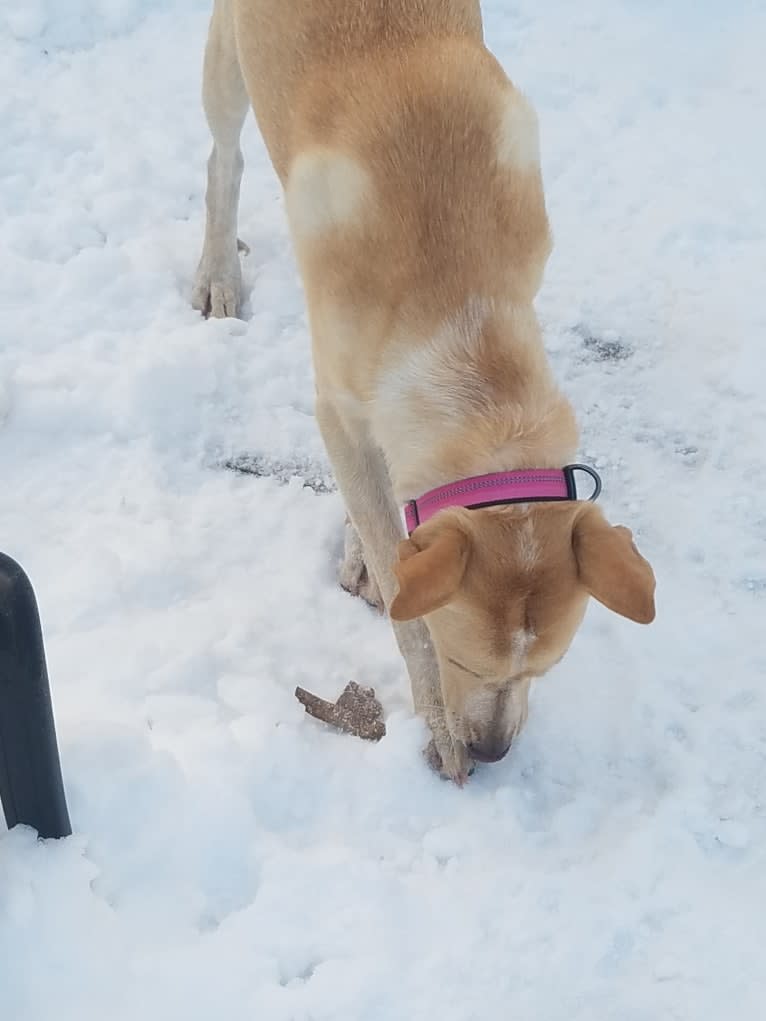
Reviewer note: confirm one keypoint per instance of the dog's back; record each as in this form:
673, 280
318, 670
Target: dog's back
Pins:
410, 163
284, 44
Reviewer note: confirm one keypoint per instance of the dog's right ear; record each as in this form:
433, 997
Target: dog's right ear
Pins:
430, 567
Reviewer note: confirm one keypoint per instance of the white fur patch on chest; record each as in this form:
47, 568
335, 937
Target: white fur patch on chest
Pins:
423, 392
438, 371
518, 139
521, 643
326, 189
527, 546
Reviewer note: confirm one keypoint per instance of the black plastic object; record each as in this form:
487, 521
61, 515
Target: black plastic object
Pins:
31, 788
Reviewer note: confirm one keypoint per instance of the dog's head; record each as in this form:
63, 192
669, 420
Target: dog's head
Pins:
503, 591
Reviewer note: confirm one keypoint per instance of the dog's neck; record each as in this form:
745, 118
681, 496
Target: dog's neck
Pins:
477, 397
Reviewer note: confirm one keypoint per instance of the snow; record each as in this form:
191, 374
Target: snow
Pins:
231, 857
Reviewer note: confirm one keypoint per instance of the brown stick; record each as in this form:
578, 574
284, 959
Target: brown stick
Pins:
356, 712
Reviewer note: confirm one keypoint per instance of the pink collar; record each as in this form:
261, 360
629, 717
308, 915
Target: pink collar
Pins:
530, 485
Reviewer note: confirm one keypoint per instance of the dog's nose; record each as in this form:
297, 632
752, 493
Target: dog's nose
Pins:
490, 750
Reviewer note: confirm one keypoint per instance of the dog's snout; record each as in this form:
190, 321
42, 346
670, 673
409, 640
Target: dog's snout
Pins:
492, 717
488, 750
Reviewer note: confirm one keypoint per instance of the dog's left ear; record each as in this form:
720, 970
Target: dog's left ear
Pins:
431, 566
611, 568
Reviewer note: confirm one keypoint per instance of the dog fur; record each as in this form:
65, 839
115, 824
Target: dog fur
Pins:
410, 167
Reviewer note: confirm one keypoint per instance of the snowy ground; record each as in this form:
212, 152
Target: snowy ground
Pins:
232, 858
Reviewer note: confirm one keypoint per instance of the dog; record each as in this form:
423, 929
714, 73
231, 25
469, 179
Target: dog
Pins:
411, 173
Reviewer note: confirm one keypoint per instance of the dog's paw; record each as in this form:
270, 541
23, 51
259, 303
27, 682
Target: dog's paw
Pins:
217, 289
449, 759
354, 575
358, 582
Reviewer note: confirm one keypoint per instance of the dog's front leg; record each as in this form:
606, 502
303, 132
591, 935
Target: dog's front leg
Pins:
362, 477
355, 575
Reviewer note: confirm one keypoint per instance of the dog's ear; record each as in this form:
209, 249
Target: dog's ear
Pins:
430, 567
611, 568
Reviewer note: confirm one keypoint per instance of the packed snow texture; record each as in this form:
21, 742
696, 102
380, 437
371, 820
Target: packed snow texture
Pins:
232, 857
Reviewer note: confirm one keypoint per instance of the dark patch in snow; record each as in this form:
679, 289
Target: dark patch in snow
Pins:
603, 348
312, 474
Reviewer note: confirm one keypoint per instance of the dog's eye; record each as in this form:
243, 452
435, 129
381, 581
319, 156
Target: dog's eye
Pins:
462, 666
